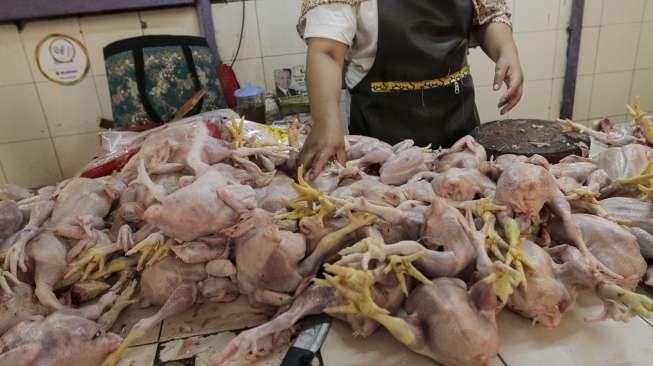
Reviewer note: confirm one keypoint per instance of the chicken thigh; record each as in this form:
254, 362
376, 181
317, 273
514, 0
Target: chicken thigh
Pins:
267, 258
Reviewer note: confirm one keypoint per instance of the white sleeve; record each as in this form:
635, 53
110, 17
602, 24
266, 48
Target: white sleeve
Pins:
332, 21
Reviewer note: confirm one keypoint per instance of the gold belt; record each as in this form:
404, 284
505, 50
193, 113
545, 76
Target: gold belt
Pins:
388, 86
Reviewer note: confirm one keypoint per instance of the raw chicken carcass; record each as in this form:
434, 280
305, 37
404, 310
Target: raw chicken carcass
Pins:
525, 188
63, 338
464, 153
400, 168
82, 205
267, 258
459, 184
610, 243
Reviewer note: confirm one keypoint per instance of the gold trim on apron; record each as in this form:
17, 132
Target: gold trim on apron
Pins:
388, 86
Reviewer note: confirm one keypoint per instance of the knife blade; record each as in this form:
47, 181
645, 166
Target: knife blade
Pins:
309, 341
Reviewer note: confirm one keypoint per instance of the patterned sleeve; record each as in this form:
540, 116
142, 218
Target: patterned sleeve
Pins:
308, 5
492, 11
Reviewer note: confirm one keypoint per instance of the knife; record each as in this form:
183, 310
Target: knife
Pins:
309, 341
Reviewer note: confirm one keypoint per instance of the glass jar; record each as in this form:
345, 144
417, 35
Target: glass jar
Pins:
250, 102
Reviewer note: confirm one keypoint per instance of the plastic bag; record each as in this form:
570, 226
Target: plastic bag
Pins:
119, 146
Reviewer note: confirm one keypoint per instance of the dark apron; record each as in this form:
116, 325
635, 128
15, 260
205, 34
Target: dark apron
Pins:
419, 86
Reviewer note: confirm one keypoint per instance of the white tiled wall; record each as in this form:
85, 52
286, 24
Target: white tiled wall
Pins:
47, 130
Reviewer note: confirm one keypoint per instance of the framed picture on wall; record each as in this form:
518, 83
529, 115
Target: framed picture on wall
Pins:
290, 82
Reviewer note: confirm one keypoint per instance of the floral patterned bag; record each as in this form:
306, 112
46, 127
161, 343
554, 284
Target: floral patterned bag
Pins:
152, 77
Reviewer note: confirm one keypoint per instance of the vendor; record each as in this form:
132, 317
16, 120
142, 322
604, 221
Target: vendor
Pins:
407, 69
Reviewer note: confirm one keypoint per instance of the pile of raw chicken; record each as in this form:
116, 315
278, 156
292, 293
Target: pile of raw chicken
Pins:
429, 244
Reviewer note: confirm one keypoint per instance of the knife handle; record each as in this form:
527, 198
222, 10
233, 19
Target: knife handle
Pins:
298, 357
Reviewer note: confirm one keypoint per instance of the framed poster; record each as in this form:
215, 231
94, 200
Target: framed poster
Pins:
62, 59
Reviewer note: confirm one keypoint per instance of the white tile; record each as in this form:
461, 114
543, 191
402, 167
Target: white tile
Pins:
536, 51
589, 43
536, 15
642, 82
21, 116
102, 87
210, 318
648, 13
227, 20
15, 67
204, 349
177, 21
565, 13
75, 152
140, 355
342, 348
536, 101
101, 30
278, 62
482, 67
645, 51
610, 93
592, 13
560, 59
129, 317
575, 342
617, 47
70, 109
620, 11
583, 96
486, 103
250, 71
30, 164
556, 98
277, 21
34, 32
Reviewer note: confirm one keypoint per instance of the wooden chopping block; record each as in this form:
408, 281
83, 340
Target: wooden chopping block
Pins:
529, 137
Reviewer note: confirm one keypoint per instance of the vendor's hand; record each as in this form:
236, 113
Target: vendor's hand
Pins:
322, 144
509, 71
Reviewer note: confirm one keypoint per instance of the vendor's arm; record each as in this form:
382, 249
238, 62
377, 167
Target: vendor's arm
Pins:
329, 31
325, 60
494, 34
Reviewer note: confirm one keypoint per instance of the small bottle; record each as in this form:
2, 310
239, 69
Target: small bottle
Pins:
250, 102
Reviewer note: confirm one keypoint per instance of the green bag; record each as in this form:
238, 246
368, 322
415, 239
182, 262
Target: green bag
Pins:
151, 77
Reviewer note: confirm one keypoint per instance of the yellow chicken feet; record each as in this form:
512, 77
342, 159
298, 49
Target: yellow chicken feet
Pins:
504, 280
363, 252
515, 255
634, 303
571, 126
644, 178
90, 260
403, 265
354, 287
641, 119
236, 129
152, 250
112, 267
6, 278
584, 194
123, 301
486, 204
309, 201
493, 241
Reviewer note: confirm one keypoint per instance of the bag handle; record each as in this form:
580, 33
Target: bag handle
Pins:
192, 68
139, 68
